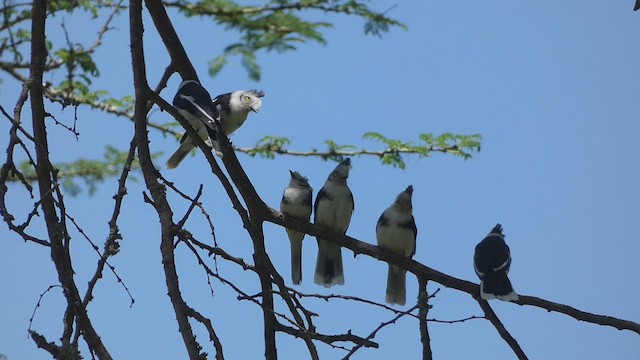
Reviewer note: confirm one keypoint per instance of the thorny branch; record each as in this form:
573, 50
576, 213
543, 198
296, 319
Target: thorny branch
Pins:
111, 245
349, 298
212, 333
253, 213
504, 333
42, 343
260, 212
423, 310
340, 153
55, 226
380, 327
418, 269
8, 169
168, 229
222, 11
110, 249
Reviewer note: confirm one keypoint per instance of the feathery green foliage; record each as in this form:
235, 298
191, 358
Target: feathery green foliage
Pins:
276, 25
92, 172
392, 153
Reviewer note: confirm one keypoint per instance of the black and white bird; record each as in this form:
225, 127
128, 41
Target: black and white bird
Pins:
396, 231
491, 262
333, 209
296, 202
205, 115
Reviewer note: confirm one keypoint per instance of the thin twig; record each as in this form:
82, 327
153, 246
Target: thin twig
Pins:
334, 153
35, 309
377, 329
111, 246
351, 298
213, 336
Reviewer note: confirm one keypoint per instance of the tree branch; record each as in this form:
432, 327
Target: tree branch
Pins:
150, 174
330, 339
580, 315
42, 343
418, 269
423, 311
212, 333
380, 327
179, 58
111, 245
55, 227
506, 336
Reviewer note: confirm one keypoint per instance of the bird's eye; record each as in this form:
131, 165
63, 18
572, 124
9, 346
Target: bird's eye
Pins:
247, 98
335, 173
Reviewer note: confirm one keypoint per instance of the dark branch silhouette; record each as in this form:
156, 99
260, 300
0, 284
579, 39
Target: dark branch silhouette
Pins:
293, 317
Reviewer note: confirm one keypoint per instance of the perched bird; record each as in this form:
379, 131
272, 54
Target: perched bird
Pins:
205, 115
234, 107
333, 209
491, 262
396, 230
296, 202
193, 102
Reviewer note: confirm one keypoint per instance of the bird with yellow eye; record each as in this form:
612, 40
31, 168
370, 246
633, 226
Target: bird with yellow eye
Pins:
230, 110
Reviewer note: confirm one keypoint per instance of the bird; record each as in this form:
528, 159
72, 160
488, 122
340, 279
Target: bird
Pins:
234, 107
228, 110
332, 210
396, 231
491, 261
296, 203
194, 103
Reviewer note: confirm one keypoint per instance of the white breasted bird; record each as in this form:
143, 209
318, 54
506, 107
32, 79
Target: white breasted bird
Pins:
234, 107
491, 262
396, 231
230, 110
296, 202
333, 209
193, 102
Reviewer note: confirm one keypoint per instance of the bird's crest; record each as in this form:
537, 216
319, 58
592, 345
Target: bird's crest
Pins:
256, 93
497, 230
297, 176
346, 161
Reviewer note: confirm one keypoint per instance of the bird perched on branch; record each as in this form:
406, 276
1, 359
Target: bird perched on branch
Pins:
396, 231
296, 202
333, 209
491, 262
228, 110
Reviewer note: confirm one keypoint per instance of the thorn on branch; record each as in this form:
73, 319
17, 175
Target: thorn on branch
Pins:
147, 199
42, 343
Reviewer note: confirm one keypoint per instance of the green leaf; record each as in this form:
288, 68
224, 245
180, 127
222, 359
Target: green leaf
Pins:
217, 64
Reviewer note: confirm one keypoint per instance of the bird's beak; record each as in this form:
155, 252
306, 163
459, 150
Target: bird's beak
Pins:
254, 110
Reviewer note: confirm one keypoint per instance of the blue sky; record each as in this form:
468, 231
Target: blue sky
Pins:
553, 89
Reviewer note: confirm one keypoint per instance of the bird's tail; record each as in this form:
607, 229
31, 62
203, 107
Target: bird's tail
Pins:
213, 141
217, 149
497, 287
328, 265
179, 155
295, 238
396, 285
